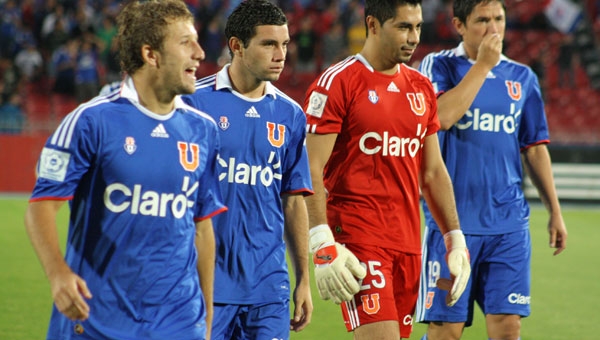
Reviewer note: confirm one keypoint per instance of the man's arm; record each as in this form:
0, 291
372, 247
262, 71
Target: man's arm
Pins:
296, 236
436, 186
437, 190
319, 148
68, 289
336, 268
453, 104
539, 168
205, 246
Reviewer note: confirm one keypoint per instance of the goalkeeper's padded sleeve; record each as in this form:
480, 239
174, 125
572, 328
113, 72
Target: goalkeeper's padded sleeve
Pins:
457, 257
336, 268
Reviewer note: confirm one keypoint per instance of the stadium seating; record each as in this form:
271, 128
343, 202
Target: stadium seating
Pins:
573, 113
43, 108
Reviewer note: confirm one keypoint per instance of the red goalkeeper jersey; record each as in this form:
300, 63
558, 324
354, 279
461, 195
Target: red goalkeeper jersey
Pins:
372, 174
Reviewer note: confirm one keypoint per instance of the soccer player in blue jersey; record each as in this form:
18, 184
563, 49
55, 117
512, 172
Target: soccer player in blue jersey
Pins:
139, 169
264, 177
492, 110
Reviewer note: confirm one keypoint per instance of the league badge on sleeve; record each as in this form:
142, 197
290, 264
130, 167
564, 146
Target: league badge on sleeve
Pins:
53, 164
316, 104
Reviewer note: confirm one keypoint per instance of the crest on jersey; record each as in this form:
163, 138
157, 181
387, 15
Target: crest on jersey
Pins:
223, 123
514, 89
189, 155
373, 97
276, 139
129, 145
417, 103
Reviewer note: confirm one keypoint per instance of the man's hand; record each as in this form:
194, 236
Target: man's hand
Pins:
558, 233
336, 268
489, 50
303, 306
69, 292
457, 257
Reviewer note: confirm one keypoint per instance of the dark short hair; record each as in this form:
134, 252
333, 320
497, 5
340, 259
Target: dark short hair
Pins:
145, 23
383, 10
463, 8
242, 22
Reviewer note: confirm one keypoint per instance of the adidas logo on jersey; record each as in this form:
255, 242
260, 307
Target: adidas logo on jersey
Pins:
159, 131
392, 87
252, 113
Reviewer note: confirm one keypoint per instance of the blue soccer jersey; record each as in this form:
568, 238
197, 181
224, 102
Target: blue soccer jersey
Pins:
482, 150
262, 156
137, 182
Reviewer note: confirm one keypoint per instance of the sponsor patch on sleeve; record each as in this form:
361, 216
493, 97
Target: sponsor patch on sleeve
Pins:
53, 164
316, 104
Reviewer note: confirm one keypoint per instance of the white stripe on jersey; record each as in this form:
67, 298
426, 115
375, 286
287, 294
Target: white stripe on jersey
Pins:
327, 77
206, 81
427, 62
63, 134
352, 313
425, 67
422, 300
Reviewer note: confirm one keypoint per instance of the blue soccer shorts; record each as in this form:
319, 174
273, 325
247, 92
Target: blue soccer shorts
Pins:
500, 277
249, 322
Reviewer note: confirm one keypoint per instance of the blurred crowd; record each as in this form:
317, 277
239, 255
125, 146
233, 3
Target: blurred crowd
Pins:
67, 47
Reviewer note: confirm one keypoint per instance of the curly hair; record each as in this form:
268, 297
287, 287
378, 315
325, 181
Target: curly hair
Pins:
145, 23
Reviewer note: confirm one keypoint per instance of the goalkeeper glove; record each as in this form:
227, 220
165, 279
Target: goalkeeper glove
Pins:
457, 257
335, 266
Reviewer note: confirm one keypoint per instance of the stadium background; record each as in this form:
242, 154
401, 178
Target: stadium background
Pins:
55, 54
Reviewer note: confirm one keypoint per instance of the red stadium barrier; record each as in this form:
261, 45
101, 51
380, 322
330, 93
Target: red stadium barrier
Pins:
19, 155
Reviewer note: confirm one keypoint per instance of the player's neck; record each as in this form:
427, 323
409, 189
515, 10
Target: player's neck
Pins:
154, 98
245, 83
471, 54
379, 62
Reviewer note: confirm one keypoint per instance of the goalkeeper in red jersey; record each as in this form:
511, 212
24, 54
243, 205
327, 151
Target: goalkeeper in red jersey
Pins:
372, 145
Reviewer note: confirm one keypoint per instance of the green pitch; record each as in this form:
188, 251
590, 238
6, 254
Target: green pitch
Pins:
565, 294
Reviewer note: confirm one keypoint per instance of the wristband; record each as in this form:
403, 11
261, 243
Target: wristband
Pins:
318, 235
454, 239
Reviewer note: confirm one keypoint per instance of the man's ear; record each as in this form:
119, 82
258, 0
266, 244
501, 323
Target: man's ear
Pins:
236, 46
459, 26
373, 24
149, 55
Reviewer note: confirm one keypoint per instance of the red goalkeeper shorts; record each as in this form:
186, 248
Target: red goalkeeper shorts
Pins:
388, 292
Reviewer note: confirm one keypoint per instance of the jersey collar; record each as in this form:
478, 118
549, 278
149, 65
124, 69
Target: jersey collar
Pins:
129, 92
223, 82
365, 62
460, 51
